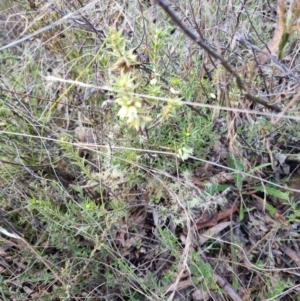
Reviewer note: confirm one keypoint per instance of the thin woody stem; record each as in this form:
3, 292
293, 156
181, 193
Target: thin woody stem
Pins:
215, 55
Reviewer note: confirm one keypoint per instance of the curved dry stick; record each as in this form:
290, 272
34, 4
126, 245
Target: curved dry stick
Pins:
215, 55
274, 43
227, 288
284, 26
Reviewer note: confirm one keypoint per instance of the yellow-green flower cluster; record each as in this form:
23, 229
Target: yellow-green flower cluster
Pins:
184, 153
130, 104
125, 84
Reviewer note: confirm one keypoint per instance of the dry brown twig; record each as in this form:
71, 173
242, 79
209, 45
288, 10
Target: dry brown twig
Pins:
285, 25
245, 91
262, 58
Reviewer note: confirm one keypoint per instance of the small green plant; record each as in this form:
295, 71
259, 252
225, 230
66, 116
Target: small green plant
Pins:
202, 273
113, 145
278, 286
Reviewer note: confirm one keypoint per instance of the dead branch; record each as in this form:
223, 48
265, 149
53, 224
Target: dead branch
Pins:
248, 95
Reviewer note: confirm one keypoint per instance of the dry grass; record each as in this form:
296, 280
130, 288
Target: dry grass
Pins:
139, 164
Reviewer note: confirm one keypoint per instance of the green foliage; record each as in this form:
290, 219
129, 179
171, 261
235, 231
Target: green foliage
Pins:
236, 164
94, 211
202, 273
275, 286
168, 240
273, 191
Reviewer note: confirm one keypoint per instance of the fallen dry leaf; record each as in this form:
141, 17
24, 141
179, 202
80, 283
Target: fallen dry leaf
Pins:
214, 220
213, 231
